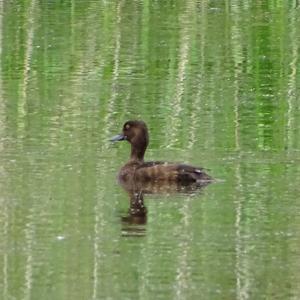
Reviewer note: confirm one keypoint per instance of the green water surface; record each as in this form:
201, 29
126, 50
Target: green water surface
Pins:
218, 84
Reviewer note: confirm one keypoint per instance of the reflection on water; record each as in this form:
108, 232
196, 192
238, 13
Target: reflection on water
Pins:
218, 84
137, 213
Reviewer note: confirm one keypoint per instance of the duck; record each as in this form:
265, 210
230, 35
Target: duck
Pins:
137, 170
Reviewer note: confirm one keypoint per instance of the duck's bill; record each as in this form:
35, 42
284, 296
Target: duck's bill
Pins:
118, 137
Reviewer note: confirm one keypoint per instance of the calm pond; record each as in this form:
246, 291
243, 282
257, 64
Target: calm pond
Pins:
217, 83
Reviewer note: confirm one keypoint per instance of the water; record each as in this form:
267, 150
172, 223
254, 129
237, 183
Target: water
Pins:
218, 85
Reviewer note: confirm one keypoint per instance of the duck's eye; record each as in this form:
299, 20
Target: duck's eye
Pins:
127, 126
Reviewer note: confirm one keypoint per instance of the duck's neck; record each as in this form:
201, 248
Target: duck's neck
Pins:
137, 153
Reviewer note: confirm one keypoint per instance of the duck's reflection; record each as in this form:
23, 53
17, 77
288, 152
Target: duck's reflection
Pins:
132, 223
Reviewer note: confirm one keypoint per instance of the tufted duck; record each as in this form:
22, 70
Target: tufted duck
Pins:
136, 169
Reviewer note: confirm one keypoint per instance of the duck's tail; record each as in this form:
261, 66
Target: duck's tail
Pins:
189, 174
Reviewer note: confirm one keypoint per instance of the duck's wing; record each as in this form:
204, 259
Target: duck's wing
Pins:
182, 173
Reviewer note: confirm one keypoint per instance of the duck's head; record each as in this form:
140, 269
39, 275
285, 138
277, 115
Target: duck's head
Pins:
136, 133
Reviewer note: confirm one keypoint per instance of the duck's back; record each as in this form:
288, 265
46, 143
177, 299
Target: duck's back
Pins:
163, 171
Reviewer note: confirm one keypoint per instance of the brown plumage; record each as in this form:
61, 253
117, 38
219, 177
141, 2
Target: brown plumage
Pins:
136, 169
